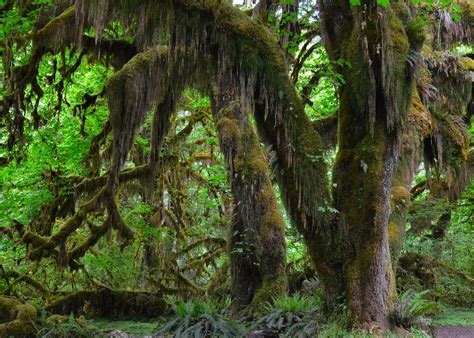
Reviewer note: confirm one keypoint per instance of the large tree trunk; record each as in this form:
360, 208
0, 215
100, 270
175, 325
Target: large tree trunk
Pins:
373, 105
257, 233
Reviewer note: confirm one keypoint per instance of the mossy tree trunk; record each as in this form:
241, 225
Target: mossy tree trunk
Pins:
373, 105
414, 131
257, 233
351, 248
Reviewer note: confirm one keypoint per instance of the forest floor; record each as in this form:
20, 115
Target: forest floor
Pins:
454, 323
454, 331
449, 323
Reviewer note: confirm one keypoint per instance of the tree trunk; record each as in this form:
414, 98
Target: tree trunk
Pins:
373, 105
257, 233
402, 182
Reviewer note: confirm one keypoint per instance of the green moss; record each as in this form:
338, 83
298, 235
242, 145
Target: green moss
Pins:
59, 30
57, 319
400, 196
272, 286
27, 313
8, 308
17, 328
416, 31
229, 131
466, 63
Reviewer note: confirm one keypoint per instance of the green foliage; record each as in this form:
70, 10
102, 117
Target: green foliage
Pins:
295, 315
410, 308
20, 18
191, 202
71, 327
194, 308
197, 318
449, 316
323, 93
294, 303
451, 270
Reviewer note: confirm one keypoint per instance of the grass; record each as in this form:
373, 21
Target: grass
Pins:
454, 317
133, 328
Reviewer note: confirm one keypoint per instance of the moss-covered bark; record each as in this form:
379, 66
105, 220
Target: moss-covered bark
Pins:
350, 248
418, 126
257, 233
373, 108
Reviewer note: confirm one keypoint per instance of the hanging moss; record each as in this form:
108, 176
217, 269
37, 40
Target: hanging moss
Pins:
211, 22
58, 32
447, 31
446, 148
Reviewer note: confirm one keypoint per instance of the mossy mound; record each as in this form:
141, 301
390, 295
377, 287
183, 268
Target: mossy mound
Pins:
16, 318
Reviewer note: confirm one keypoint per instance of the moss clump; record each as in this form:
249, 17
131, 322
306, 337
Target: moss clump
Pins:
26, 313
16, 318
416, 31
8, 308
420, 116
57, 319
400, 196
466, 63
17, 328
229, 131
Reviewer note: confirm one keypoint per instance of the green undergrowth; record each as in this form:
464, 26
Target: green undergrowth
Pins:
454, 317
333, 327
199, 318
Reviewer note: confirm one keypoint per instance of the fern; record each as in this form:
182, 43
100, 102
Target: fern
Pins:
196, 318
411, 307
292, 316
71, 328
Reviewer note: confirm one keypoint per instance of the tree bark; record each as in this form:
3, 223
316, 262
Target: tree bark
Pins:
257, 233
373, 105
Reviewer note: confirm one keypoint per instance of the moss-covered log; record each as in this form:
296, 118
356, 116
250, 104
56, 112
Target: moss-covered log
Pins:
109, 304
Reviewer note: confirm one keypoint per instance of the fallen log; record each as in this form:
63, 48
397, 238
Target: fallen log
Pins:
106, 303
